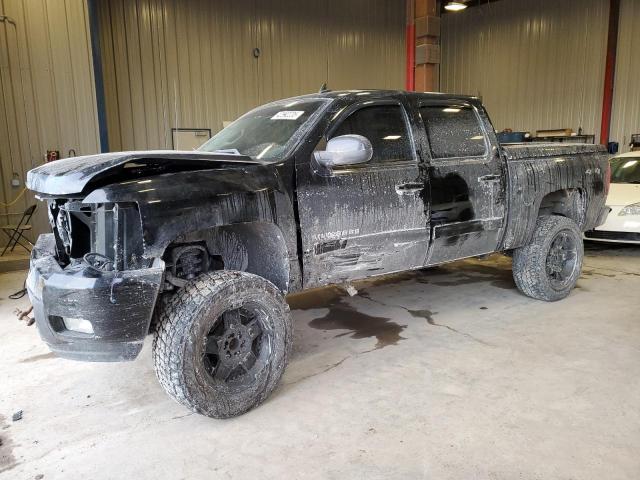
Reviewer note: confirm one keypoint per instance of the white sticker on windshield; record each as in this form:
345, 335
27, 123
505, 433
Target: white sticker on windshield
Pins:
288, 115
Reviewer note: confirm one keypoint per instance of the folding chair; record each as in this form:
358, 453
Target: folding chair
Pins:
16, 232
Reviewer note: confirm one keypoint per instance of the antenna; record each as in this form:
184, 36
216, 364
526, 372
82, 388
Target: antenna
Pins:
323, 88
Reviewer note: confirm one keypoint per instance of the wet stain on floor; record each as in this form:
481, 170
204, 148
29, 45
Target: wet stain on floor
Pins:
315, 298
37, 358
462, 274
426, 314
7, 460
342, 316
471, 273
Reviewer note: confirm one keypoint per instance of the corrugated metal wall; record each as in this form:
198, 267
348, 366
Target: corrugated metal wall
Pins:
171, 63
47, 93
625, 117
536, 63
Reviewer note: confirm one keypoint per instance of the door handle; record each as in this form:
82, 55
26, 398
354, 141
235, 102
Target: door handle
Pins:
409, 188
489, 178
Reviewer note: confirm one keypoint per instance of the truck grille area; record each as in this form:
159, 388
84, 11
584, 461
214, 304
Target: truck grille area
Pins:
72, 228
111, 230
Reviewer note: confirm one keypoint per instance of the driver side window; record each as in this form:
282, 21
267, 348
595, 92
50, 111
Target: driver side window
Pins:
385, 127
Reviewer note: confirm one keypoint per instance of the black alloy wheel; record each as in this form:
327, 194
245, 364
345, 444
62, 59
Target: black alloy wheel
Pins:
237, 346
562, 259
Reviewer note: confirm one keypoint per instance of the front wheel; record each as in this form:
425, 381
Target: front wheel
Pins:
222, 343
549, 267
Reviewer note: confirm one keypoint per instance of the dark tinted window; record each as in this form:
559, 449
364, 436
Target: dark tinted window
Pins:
385, 127
453, 131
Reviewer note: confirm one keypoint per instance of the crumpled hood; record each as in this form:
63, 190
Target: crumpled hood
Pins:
71, 175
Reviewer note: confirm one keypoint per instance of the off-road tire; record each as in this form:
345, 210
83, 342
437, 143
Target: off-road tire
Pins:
529, 262
177, 350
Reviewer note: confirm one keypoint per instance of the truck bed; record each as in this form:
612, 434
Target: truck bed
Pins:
537, 170
516, 151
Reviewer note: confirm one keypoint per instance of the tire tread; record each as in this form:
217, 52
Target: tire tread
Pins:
529, 261
174, 323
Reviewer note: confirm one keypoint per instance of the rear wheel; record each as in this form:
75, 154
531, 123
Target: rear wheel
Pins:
222, 343
549, 267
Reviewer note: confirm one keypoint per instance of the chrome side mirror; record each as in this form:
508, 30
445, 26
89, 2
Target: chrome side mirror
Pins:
345, 150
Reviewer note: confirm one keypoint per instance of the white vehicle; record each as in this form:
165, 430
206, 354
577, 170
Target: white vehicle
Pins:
623, 221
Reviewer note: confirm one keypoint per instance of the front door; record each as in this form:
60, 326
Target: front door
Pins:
366, 219
467, 181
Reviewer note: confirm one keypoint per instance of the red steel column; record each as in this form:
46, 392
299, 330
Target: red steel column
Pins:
610, 70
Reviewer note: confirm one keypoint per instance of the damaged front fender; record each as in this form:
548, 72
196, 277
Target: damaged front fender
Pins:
174, 204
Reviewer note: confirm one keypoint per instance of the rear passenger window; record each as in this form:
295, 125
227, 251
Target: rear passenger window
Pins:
386, 129
453, 131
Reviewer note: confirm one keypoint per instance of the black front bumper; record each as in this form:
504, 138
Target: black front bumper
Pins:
119, 305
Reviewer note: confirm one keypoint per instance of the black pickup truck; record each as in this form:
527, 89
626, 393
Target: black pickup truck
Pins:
200, 248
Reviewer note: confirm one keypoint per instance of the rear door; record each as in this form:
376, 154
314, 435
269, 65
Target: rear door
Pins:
467, 180
366, 219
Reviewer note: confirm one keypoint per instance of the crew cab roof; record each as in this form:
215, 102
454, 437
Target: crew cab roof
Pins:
352, 95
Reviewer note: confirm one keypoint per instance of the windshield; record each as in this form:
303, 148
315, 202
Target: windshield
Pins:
268, 132
625, 170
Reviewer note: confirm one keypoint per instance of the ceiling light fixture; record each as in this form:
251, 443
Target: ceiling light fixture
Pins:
455, 6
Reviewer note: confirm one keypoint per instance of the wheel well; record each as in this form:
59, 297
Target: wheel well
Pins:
568, 203
256, 247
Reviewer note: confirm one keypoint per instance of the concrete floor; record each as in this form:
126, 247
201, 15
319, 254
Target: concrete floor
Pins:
447, 373
13, 261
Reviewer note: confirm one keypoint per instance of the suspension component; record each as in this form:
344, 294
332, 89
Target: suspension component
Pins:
189, 261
